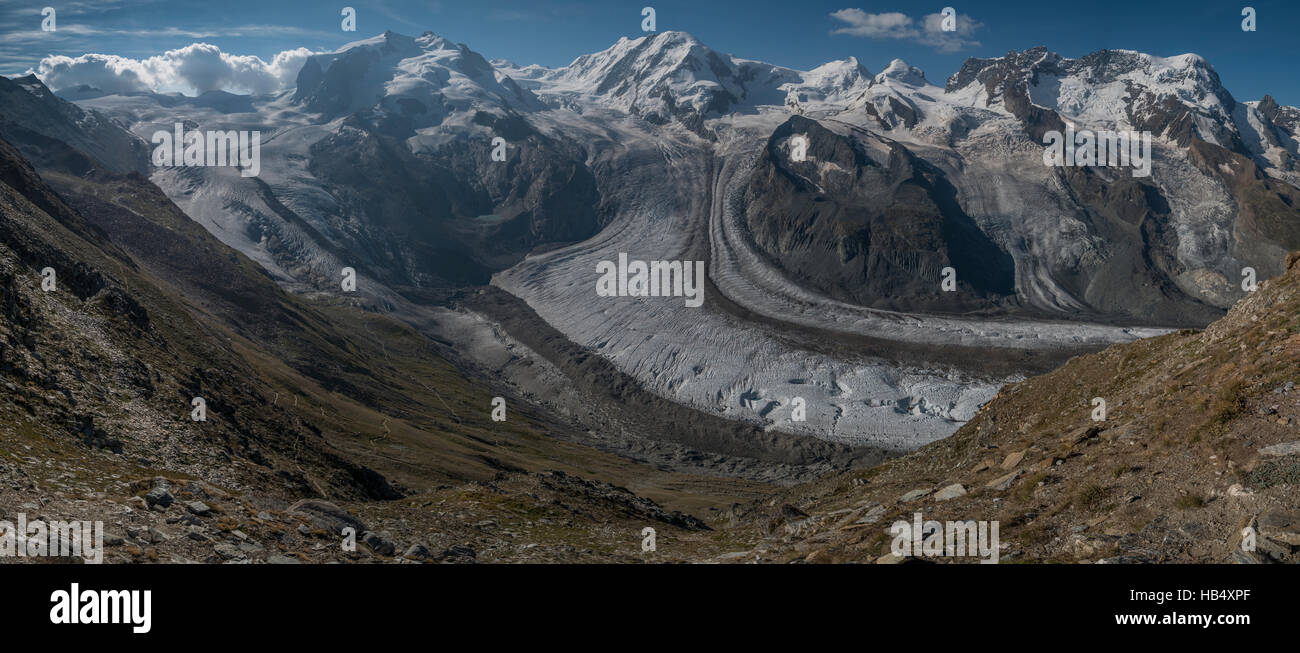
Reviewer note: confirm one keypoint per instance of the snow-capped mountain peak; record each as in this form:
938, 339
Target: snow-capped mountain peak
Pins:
841, 75
900, 71
418, 80
1174, 97
671, 75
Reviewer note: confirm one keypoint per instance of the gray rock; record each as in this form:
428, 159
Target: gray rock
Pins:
159, 496
327, 515
227, 551
199, 508
913, 495
1003, 482
1281, 526
378, 543
417, 551
278, 559
872, 516
250, 547
462, 553
951, 492
1283, 449
1271, 549
1240, 557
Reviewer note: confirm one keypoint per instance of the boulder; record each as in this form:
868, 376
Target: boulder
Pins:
327, 516
378, 543
951, 492
913, 495
1283, 449
1281, 526
160, 496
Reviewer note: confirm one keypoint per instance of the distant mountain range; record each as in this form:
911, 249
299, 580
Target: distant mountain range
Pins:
381, 160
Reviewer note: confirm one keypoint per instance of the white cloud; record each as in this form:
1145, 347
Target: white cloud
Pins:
894, 25
111, 73
193, 69
951, 41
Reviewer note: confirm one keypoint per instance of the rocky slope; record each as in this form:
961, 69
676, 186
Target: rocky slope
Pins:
305, 400
1199, 441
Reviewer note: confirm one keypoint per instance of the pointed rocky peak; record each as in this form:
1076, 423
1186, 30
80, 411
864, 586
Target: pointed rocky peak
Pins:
653, 55
671, 75
1268, 106
32, 84
997, 69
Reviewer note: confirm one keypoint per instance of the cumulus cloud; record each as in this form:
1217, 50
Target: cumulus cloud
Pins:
193, 69
894, 25
958, 39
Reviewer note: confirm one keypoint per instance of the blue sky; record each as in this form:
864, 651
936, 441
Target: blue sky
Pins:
797, 34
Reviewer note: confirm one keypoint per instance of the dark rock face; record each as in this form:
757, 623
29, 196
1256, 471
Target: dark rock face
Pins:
31, 114
1267, 226
329, 92
872, 232
455, 216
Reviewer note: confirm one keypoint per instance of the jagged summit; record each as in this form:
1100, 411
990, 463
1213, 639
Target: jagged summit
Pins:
671, 75
1188, 76
1178, 97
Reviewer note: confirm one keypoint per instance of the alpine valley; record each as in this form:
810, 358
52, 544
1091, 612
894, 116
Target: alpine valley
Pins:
814, 373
